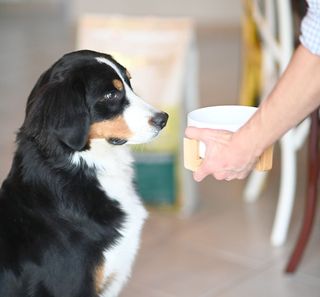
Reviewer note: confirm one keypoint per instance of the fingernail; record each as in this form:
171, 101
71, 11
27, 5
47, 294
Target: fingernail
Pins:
196, 178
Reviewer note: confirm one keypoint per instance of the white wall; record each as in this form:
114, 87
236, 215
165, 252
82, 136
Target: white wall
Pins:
220, 12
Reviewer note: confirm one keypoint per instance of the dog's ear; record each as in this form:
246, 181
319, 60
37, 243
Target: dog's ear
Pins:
74, 131
74, 118
57, 109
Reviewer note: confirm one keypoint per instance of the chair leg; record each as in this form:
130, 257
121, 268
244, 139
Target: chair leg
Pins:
254, 186
311, 197
287, 190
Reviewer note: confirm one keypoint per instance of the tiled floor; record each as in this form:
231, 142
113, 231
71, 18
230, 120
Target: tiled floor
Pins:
223, 249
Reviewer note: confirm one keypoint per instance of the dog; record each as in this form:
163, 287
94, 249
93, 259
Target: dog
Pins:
70, 218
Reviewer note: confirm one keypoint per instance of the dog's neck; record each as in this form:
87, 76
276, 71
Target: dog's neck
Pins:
102, 156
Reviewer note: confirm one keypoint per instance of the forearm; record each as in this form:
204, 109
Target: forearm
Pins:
294, 97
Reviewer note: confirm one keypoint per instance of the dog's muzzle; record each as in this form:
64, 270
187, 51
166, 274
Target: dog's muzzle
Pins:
157, 122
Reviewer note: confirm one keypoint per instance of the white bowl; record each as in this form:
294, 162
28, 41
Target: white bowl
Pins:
223, 117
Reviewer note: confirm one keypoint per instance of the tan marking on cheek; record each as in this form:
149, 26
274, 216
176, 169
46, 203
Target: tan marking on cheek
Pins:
116, 128
110, 279
101, 283
128, 74
117, 84
99, 278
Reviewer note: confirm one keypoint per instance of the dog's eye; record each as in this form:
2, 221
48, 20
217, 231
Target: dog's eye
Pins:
112, 95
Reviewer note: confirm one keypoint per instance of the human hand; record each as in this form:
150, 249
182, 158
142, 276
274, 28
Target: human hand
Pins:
227, 157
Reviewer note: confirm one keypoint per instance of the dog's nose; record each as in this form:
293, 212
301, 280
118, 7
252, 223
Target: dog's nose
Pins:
159, 120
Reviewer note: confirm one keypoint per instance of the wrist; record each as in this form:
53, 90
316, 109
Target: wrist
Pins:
250, 138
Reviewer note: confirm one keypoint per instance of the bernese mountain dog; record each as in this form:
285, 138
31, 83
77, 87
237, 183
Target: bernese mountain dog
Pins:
70, 217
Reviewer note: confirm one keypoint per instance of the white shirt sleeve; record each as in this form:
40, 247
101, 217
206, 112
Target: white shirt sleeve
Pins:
310, 28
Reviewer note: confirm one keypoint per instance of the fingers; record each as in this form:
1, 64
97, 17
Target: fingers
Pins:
205, 169
227, 175
199, 175
194, 133
222, 161
205, 134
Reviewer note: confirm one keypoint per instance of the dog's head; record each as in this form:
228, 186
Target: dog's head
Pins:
87, 95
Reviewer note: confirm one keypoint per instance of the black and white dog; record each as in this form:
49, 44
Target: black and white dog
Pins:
70, 218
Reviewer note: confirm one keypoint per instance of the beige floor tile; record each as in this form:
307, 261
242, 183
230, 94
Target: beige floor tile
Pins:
243, 232
179, 269
272, 282
133, 290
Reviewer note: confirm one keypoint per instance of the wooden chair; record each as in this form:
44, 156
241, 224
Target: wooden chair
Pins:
311, 194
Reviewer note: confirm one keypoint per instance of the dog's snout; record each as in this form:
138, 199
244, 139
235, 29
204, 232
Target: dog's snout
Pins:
159, 120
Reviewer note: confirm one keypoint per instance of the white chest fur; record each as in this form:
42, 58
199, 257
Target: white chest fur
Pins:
114, 172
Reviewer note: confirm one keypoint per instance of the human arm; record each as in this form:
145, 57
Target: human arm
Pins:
296, 94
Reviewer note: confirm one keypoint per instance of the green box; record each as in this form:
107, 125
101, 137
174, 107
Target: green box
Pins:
155, 178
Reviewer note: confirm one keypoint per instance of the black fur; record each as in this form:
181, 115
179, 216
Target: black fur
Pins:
55, 221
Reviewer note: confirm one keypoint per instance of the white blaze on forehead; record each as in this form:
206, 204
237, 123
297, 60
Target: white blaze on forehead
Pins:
112, 65
138, 113
132, 97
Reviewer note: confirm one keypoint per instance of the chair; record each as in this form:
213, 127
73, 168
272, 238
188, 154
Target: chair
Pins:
311, 195
274, 22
